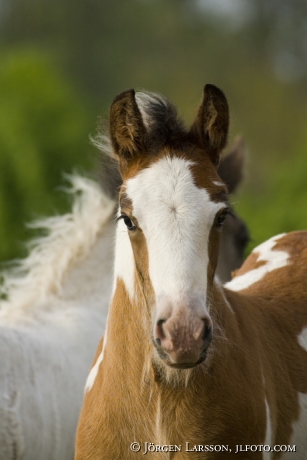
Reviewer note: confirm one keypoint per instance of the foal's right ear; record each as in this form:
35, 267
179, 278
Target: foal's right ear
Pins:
210, 129
127, 129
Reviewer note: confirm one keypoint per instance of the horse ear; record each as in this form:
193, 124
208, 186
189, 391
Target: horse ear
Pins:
127, 130
210, 129
231, 166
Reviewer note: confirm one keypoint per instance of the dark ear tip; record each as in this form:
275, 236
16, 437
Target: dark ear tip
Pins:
127, 94
213, 90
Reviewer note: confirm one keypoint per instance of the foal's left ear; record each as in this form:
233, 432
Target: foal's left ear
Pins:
210, 129
127, 130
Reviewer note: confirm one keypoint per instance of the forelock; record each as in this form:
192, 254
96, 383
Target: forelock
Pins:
160, 119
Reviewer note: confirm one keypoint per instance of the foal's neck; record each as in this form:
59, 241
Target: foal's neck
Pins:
134, 377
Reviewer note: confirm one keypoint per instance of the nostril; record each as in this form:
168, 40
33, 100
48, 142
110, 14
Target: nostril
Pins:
159, 332
160, 322
207, 333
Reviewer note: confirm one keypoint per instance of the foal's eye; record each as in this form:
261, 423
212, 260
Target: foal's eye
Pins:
128, 222
221, 218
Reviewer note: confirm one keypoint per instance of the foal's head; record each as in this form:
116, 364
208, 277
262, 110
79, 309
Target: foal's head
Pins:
172, 206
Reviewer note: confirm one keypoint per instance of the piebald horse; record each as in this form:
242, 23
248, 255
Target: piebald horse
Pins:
188, 368
53, 307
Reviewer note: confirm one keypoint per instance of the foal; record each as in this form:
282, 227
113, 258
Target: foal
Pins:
186, 366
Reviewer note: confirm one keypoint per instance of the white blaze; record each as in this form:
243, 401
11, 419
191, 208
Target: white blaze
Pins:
176, 217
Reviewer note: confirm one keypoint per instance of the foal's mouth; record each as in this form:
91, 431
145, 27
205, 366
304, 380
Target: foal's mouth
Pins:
165, 358
185, 365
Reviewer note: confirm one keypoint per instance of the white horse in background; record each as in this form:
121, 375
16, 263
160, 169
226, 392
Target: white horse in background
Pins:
51, 317
52, 313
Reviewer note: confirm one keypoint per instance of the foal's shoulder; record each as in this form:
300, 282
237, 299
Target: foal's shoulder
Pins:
277, 263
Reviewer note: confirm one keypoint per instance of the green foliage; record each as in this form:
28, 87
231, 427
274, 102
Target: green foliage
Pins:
43, 132
279, 203
173, 47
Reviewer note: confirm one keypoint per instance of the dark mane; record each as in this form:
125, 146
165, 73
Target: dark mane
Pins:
161, 120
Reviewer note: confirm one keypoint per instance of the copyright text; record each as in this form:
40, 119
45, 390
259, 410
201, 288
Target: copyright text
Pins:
150, 447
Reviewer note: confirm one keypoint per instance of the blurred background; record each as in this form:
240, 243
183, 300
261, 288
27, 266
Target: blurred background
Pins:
62, 63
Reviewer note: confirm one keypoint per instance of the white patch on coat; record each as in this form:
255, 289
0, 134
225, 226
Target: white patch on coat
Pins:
94, 371
218, 183
227, 303
274, 259
302, 338
220, 286
268, 432
176, 218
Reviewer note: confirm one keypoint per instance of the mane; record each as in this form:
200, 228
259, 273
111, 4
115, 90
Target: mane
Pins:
67, 239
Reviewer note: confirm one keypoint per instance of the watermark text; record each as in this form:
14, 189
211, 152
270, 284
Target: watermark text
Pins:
150, 447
